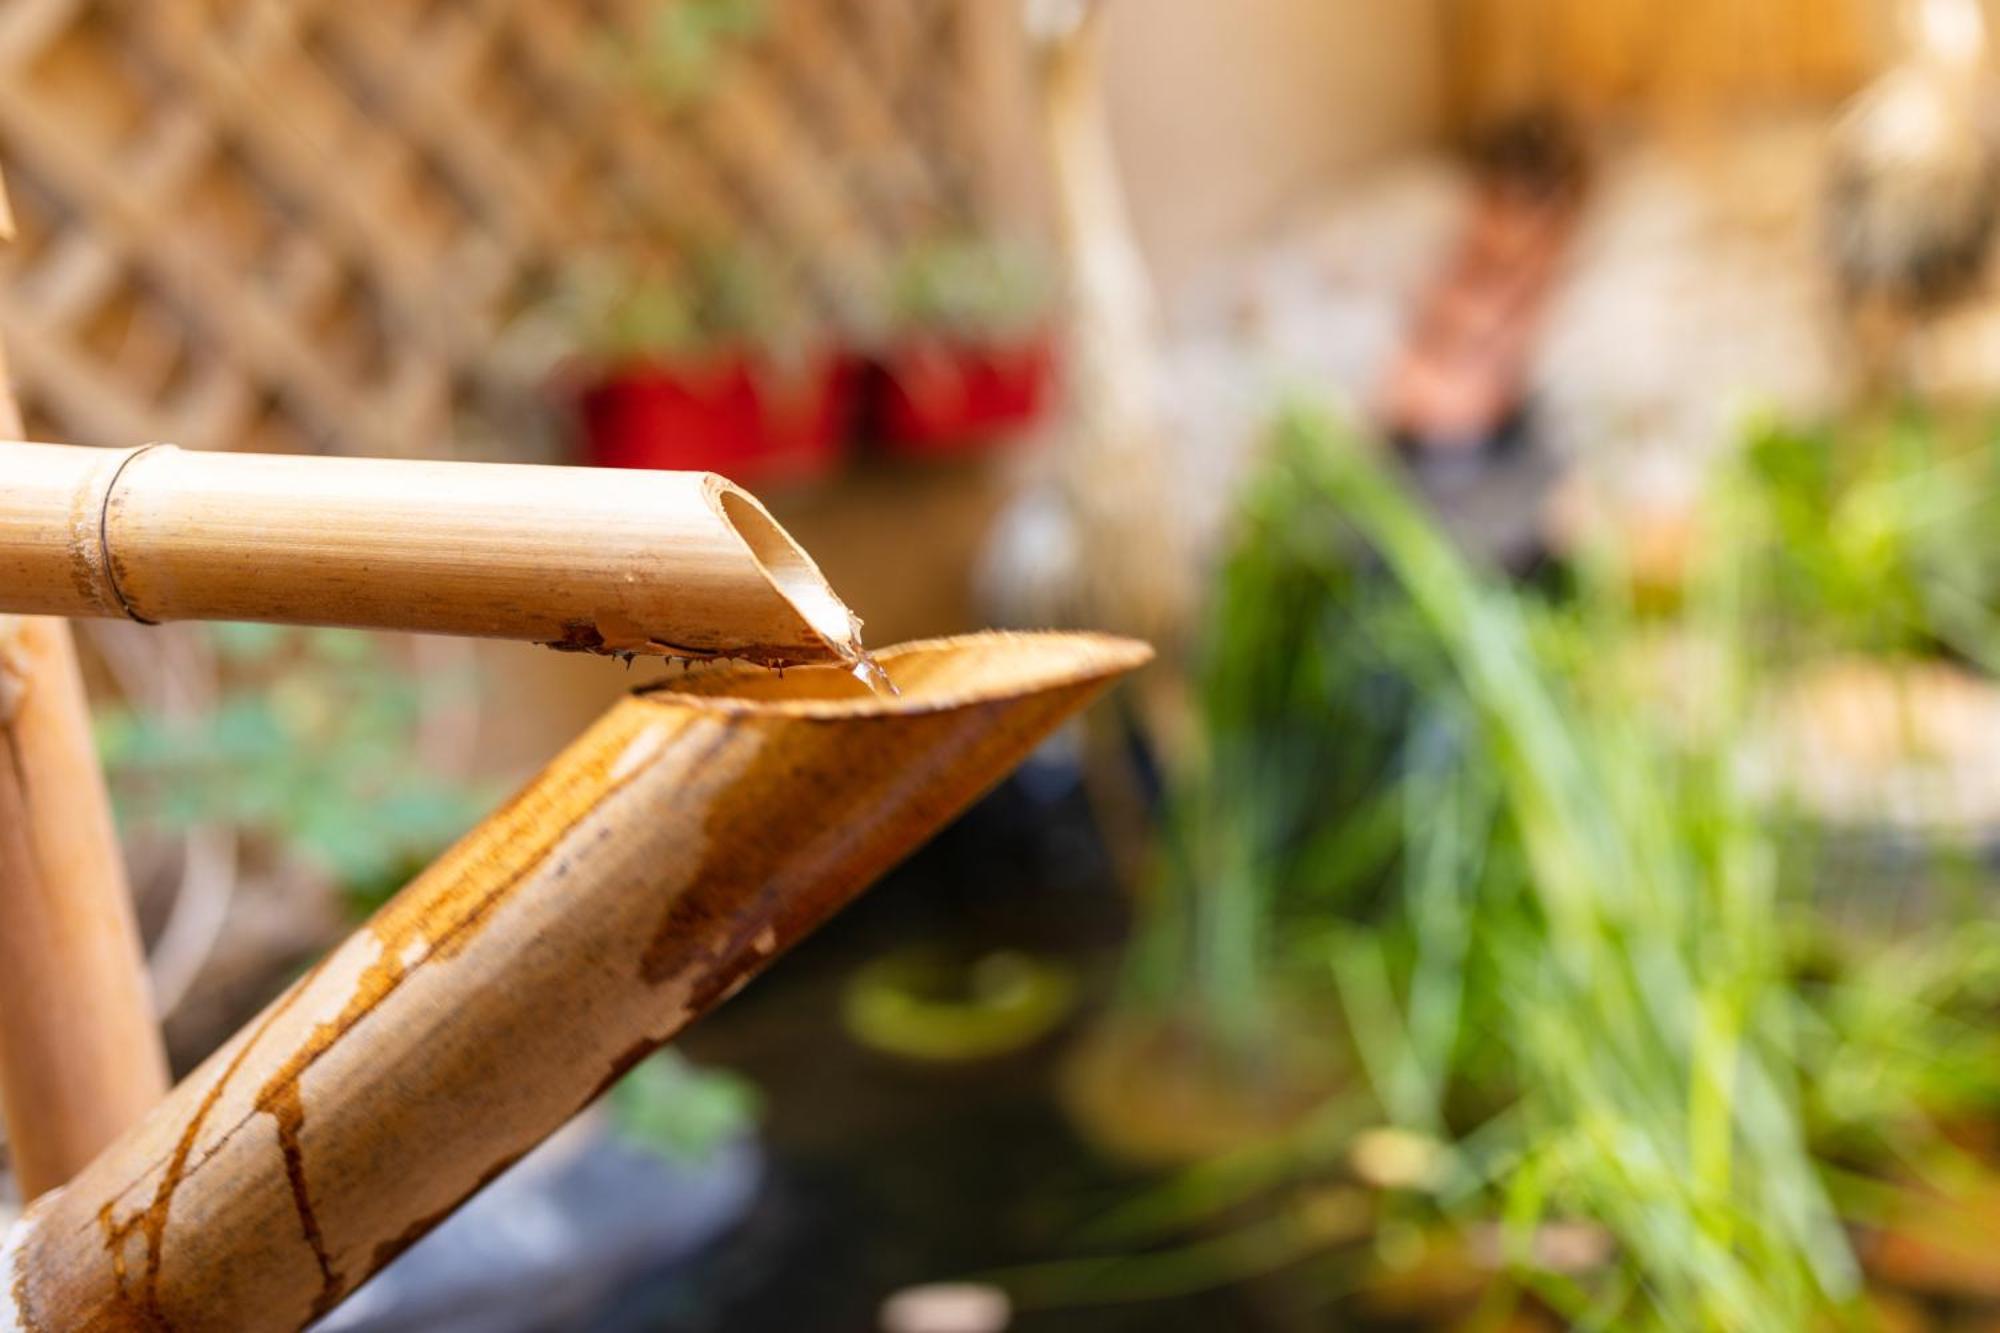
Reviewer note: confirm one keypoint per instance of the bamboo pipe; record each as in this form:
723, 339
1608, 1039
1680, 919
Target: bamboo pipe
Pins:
694, 833
80, 1054
586, 559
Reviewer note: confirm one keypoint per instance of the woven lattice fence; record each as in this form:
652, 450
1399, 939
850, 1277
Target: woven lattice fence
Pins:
314, 223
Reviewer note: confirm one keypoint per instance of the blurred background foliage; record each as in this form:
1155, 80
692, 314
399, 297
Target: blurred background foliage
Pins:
1526, 856
311, 745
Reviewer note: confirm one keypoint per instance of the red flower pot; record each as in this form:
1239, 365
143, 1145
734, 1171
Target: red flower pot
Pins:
948, 397
752, 423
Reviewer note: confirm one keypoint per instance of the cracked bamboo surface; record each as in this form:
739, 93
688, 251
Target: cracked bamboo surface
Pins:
697, 831
587, 559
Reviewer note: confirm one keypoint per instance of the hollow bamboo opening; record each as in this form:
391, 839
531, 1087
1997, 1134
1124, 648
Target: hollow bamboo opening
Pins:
788, 568
930, 676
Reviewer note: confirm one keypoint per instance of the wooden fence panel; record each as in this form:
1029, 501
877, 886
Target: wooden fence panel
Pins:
310, 224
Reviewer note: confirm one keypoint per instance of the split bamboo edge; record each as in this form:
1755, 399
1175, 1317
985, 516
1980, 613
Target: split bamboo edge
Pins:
694, 833
585, 559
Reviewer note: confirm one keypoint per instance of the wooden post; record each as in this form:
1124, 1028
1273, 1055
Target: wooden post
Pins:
80, 1053
696, 832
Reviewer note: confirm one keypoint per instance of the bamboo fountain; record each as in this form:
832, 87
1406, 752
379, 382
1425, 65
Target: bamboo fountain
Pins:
694, 833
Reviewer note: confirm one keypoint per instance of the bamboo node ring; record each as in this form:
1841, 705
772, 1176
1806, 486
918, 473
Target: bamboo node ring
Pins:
110, 566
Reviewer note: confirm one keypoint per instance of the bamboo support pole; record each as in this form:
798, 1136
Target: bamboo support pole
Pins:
80, 1054
678, 563
697, 831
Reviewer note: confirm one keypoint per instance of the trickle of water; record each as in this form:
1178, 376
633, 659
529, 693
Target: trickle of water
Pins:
870, 673
861, 663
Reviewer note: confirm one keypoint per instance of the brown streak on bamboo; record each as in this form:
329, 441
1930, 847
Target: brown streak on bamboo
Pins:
691, 836
149, 1223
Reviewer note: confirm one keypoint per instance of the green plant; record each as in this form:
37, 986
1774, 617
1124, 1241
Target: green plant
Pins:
968, 287
1251, 853
681, 43
1872, 537
681, 1111
1618, 905
657, 291
310, 746
710, 299
1575, 952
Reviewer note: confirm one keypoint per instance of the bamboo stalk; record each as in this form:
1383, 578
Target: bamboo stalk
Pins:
680, 563
80, 1054
697, 831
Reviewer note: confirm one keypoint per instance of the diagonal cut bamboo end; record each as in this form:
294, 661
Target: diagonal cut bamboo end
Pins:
696, 832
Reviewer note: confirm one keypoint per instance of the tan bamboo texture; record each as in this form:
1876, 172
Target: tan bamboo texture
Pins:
678, 563
80, 1053
691, 836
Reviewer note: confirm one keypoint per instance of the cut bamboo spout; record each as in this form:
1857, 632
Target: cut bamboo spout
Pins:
697, 831
676, 563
